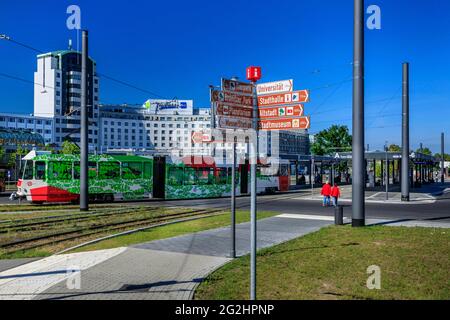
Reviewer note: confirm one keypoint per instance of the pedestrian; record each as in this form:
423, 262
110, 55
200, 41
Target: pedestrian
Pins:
326, 192
335, 193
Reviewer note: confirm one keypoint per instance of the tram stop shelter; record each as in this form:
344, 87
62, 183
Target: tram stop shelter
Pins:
338, 168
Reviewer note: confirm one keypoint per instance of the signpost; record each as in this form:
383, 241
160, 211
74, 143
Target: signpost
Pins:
275, 87
276, 112
225, 122
230, 97
285, 124
233, 111
200, 137
283, 98
237, 86
240, 105
253, 74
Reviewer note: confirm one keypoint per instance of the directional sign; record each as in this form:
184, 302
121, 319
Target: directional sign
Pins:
237, 86
200, 137
285, 124
234, 123
275, 87
283, 98
234, 111
230, 97
276, 112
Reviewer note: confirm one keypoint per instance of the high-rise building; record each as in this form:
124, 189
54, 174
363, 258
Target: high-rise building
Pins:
57, 94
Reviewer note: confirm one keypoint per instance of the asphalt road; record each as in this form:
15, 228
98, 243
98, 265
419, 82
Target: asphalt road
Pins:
293, 203
298, 202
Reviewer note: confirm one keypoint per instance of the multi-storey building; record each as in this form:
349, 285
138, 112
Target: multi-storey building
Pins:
40, 125
159, 126
57, 95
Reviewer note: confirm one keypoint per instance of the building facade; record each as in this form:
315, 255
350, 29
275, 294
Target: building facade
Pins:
158, 126
57, 95
42, 126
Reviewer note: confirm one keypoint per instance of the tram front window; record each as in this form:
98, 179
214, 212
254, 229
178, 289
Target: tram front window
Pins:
28, 170
40, 170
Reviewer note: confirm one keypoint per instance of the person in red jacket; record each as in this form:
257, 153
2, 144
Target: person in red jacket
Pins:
326, 193
335, 193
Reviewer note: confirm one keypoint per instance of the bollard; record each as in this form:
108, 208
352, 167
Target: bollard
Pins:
339, 215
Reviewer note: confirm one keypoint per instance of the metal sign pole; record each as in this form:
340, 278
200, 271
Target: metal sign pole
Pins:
254, 157
442, 159
313, 177
84, 191
359, 170
405, 173
233, 203
387, 173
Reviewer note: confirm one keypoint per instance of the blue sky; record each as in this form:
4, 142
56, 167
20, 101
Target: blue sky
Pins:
178, 48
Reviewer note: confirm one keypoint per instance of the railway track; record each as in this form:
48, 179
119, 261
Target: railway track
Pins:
88, 231
27, 224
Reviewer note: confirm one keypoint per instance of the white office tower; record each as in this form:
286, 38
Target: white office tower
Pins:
57, 94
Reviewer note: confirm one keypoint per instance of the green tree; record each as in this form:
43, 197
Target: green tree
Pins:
446, 156
394, 148
425, 150
69, 147
334, 139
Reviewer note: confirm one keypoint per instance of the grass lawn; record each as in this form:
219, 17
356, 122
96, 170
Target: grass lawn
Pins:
174, 230
332, 264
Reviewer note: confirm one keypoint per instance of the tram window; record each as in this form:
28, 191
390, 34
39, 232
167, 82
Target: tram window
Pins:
28, 170
221, 177
61, 170
284, 170
92, 170
204, 176
175, 177
148, 170
236, 178
131, 170
108, 170
189, 176
76, 170
39, 168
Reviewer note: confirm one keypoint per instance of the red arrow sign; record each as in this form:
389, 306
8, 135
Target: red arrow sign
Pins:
234, 111
276, 112
284, 98
285, 124
200, 137
229, 97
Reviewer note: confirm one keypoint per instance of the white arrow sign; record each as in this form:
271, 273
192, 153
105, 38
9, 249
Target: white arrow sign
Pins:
275, 87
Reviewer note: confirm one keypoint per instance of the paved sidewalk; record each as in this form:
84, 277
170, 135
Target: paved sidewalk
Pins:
28, 280
172, 268
163, 269
425, 195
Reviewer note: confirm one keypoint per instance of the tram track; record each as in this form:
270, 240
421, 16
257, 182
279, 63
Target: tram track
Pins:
88, 231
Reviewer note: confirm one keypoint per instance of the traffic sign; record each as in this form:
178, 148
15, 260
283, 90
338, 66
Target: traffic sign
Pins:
253, 73
283, 98
286, 111
275, 87
285, 124
200, 137
234, 123
237, 86
234, 111
230, 97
